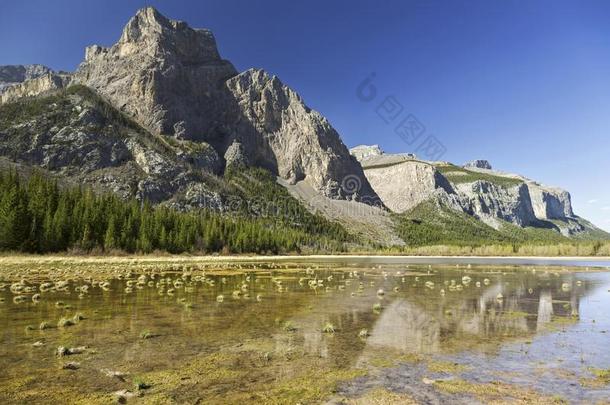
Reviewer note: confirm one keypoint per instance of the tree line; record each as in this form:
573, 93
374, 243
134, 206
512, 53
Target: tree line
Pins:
38, 216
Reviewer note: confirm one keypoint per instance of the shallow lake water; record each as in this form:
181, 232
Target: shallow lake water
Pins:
340, 332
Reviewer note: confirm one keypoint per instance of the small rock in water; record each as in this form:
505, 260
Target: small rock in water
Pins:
115, 374
427, 381
38, 344
71, 366
123, 395
66, 351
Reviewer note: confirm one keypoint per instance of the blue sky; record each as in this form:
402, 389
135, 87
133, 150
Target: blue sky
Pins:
524, 84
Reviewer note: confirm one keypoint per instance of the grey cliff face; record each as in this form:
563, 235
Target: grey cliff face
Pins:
46, 83
163, 73
489, 202
404, 182
403, 186
278, 131
171, 80
362, 152
550, 202
15, 74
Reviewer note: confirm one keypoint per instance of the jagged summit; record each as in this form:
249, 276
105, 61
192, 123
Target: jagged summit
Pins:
479, 164
172, 37
165, 74
171, 80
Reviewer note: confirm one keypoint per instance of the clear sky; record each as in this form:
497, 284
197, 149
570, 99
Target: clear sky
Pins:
524, 84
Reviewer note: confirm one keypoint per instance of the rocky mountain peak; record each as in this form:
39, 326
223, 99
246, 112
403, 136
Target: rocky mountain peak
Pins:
361, 152
165, 74
150, 30
479, 164
170, 79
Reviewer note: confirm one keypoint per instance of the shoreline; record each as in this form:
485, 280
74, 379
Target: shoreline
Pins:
597, 261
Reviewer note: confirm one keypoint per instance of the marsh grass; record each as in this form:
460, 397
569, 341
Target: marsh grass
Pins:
146, 334
381, 396
601, 378
140, 384
496, 392
328, 328
446, 367
289, 326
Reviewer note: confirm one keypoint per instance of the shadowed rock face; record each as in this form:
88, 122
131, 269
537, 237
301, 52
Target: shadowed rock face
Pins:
489, 201
479, 163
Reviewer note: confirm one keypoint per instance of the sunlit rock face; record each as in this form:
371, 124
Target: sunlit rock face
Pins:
404, 186
278, 131
165, 74
36, 86
11, 75
171, 79
403, 181
550, 202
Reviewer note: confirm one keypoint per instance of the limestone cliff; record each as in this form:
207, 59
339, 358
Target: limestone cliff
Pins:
15, 74
43, 84
403, 182
171, 79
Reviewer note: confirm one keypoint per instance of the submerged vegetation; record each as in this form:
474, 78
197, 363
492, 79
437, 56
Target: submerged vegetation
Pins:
283, 331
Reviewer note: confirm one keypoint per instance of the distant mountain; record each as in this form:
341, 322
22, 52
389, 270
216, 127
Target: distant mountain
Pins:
404, 182
14, 74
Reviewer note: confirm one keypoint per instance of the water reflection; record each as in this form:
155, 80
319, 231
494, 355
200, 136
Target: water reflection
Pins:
276, 316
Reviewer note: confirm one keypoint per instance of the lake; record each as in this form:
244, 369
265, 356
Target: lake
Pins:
345, 330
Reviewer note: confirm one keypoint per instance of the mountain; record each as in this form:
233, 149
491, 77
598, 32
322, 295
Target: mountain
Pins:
161, 117
170, 80
15, 74
404, 183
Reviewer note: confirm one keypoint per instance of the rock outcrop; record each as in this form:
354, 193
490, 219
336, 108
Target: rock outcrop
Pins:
479, 163
494, 197
362, 152
550, 202
15, 74
491, 202
278, 131
166, 75
37, 86
403, 186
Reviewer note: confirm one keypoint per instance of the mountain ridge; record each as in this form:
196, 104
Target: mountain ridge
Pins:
160, 116
476, 189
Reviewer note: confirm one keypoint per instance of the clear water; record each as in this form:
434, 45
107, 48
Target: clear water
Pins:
541, 330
